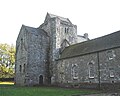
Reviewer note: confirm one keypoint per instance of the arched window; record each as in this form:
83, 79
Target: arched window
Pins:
111, 70
20, 68
75, 71
66, 30
91, 69
41, 79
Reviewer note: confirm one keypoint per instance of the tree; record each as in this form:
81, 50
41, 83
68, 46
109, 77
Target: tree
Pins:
7, 60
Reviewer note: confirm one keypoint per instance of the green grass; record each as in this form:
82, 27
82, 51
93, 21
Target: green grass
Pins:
11, 90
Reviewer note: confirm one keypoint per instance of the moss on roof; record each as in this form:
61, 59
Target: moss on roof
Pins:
98, 44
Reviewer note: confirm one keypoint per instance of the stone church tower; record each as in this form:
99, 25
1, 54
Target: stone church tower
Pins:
37, 49
62, 34
59, 29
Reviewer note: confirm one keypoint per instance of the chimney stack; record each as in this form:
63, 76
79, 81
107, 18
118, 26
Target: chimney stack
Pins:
86, 35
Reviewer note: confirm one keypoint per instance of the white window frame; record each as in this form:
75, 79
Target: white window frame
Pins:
112, 75
74, 73
89, 69
111, 54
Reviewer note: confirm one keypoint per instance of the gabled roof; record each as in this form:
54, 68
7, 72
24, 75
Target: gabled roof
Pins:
65, 41
55, 16
35, 30
95, 45
64, 44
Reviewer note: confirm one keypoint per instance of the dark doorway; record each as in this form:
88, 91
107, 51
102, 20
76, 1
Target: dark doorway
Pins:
41, 80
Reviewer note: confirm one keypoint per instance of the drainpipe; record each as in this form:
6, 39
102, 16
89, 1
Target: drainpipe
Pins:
99, 70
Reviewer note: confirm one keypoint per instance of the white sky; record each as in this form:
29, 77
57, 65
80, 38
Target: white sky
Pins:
95, 17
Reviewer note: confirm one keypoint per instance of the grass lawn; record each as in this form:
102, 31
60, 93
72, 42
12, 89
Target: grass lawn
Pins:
11, 90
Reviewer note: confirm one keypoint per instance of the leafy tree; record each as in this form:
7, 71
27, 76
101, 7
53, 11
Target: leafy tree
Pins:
7, 60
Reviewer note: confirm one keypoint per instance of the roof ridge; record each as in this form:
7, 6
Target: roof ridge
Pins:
102, 43
43, 31
57, 16
60, 17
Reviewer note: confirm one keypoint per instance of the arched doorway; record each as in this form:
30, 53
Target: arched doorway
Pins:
40, 79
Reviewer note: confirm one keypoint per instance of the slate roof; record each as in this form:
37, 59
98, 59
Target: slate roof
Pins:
61, 18
82, 37
98, 44
36, 31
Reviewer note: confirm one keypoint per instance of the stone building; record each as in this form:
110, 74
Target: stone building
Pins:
54, 54
32, 47
92, 64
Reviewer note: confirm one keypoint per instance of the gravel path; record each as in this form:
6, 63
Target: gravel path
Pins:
106, 94
103, 94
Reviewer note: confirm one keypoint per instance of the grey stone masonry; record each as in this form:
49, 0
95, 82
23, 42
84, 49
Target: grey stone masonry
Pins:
31, 56
91, 64
52, 54
37, 50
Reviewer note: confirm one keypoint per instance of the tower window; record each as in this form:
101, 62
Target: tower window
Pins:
58, 29
65, 30
21, 40
24, 68
22, 43
20, 68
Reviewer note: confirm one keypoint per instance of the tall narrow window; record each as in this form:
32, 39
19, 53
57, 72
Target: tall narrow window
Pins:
75, 71
21, 43
20, 68
91, 70
24, 68
65, 30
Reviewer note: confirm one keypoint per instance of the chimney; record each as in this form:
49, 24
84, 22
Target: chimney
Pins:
86, 35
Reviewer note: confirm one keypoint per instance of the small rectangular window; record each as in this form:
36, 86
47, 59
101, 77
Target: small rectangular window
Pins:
111, 54
111, 70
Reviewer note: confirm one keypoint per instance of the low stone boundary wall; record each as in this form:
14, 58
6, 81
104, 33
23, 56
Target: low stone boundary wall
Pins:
103, 86
7, 79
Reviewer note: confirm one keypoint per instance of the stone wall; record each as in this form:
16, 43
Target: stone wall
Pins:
77, 70
37, 58
92, 70
21, 56
58, 31
32, 52
110, 66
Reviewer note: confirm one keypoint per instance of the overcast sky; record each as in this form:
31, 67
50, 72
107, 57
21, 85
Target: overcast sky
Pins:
95, 17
